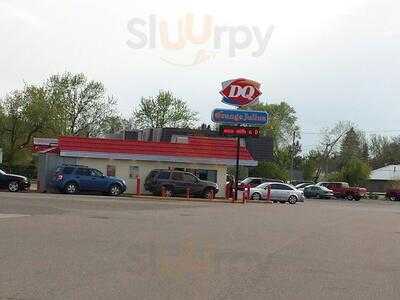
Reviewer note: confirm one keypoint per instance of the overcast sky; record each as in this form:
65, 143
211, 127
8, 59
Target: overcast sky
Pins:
331, 61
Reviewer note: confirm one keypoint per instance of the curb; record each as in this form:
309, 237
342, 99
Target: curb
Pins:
183, 199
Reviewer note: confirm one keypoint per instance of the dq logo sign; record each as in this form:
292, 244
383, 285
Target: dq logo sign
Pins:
240, 92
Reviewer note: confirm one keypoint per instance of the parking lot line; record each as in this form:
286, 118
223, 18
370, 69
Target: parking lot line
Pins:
8, 216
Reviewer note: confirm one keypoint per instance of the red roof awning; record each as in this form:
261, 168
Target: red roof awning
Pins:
197, 149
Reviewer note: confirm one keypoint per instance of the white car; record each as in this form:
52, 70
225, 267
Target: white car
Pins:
280, 192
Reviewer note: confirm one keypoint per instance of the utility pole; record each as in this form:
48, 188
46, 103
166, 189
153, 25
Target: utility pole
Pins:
292, 165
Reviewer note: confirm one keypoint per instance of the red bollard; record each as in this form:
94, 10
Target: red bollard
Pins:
138, 185
187, 193
246, 193
269, 193
211, 195
228, 189
163, 191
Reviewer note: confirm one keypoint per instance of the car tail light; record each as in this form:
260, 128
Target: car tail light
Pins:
60, 177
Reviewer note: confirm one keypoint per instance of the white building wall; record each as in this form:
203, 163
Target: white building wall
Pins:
122, 170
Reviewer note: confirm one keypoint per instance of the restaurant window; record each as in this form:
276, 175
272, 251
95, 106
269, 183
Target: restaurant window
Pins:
110, 170
179, 169
202, 174
177, 176
133, 172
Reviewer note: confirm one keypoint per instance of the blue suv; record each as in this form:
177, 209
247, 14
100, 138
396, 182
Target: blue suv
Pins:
72, 179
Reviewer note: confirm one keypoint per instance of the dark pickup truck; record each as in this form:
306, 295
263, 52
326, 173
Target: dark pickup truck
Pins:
343, 190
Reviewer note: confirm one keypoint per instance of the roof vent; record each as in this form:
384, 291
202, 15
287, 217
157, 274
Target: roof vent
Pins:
177, 139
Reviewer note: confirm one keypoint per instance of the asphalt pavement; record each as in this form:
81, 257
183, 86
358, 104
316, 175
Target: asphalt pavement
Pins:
95, 247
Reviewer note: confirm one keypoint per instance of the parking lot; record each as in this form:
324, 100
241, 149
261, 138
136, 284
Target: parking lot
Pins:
82, 247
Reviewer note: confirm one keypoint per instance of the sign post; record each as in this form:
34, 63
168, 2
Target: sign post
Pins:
237, 169
236, 123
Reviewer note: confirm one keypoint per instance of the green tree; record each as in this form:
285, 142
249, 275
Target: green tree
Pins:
164, 110
79, 106
365, 152
282, 122
309, 165
384, 150
329, 145
66, 104
355, 172
271, 170
25, 113
351, 146
114, 124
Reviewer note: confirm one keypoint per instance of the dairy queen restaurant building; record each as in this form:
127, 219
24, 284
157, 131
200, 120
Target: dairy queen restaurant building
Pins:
133, 154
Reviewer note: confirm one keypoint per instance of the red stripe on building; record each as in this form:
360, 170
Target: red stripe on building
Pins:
197, 147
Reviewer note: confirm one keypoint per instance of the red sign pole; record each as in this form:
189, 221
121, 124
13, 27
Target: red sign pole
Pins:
237, 168
269, 193
138, 185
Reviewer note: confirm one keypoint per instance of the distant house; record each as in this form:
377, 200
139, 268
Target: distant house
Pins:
383, 178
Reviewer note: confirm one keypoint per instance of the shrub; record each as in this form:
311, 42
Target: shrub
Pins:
271, 170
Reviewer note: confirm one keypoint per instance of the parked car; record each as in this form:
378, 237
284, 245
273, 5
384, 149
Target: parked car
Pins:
14, 183
280, 192
255, 181
177, 183
343, 190
315, 191
302, 185
72, 179
393, 194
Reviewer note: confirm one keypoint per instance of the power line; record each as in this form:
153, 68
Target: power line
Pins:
368, 132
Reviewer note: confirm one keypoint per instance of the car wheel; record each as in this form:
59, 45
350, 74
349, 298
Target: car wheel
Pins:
168, 192
350, 197
115, 190
392, 198
209, 193
13, 186
71, 188
292, 199
256, 196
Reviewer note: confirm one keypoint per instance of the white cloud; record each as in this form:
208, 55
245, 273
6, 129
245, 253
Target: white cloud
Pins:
9, 12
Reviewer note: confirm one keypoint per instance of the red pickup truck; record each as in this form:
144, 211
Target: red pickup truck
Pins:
393, 194
343, 190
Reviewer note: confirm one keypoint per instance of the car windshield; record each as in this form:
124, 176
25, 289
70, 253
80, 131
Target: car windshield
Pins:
262, 185
246, 181
302, 185
324, 189
307, 186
